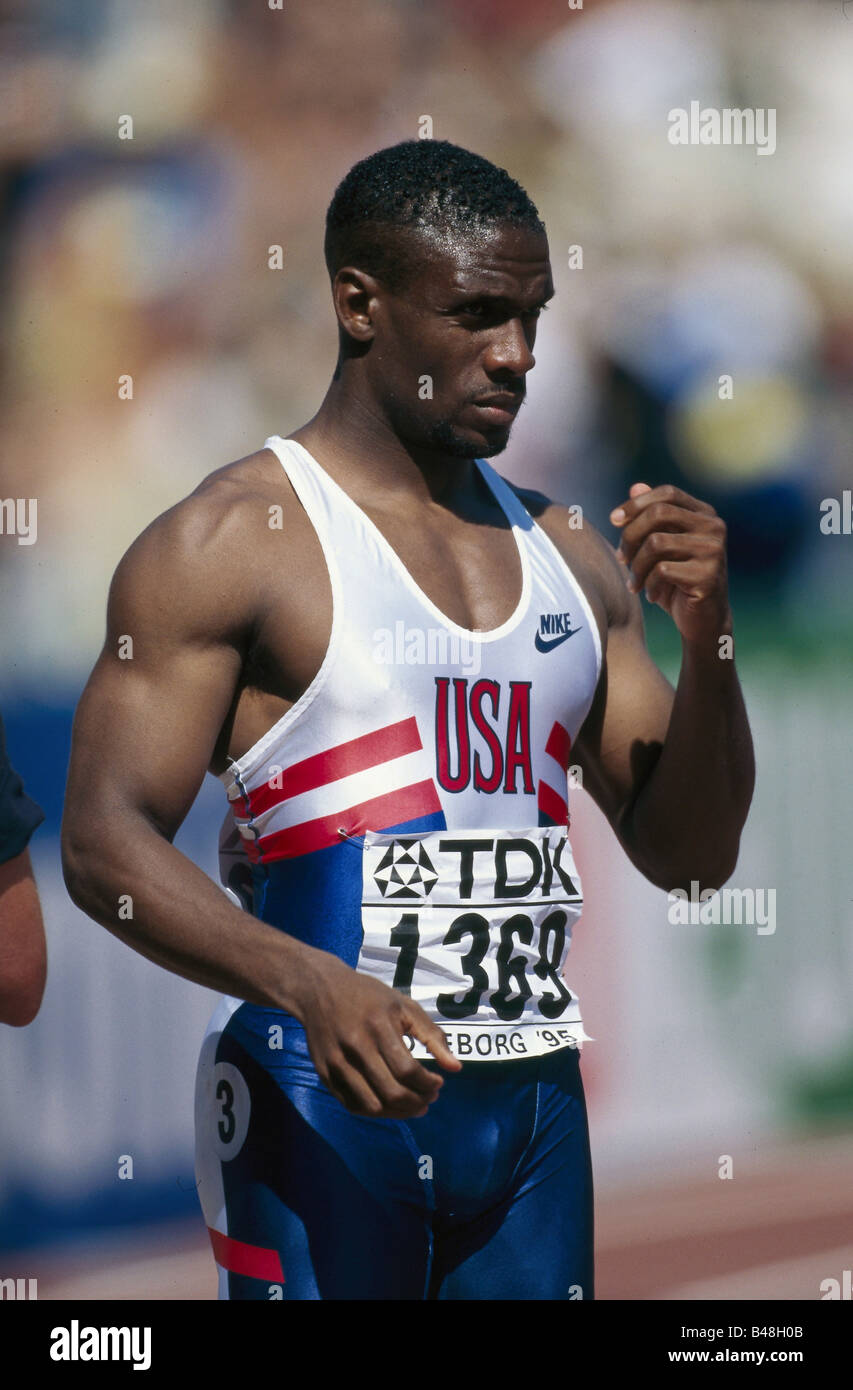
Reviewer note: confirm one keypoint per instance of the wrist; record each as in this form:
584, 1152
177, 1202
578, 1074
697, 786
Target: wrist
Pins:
298, 977
713, 645
710, 661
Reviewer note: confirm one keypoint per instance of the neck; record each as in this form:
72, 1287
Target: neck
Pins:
354, 442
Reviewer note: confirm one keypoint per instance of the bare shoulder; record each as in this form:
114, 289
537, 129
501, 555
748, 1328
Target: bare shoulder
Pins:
588, 554
205, 556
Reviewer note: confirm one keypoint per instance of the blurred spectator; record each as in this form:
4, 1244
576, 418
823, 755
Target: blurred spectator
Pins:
148, 258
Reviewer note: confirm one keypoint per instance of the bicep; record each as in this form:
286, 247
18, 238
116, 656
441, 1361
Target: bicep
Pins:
144, 735
149, 718
623, 734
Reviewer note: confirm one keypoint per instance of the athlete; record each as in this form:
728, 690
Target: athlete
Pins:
390, 656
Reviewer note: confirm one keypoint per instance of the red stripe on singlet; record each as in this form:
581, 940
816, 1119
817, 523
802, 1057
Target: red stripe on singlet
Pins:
392, 808
559, 744
552, 805
356, 755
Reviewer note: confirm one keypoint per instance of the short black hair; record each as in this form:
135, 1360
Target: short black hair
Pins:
417, 184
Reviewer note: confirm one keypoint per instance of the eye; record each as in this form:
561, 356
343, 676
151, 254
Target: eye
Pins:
482, 309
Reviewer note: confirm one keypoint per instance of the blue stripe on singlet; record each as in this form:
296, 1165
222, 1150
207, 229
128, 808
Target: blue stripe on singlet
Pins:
317, 897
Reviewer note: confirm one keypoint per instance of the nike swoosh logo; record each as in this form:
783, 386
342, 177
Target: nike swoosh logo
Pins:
544, 644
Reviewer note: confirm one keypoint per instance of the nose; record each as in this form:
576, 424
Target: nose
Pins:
511, 348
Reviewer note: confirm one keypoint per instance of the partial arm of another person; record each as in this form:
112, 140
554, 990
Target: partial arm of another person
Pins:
23, 953
144, 735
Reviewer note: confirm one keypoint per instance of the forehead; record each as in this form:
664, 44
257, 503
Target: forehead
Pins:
504, 259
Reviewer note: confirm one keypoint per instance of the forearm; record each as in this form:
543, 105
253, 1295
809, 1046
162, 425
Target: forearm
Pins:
685, 824
180, 918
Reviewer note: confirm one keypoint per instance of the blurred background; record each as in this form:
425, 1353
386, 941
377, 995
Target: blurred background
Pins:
147, 257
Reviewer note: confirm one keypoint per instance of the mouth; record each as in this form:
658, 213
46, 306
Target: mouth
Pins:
500, 409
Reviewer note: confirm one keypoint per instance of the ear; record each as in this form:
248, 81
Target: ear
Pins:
356, 297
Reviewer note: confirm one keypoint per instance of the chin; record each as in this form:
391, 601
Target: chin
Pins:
488, 450
450, 441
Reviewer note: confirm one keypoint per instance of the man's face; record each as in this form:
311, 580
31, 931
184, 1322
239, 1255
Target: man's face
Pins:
462, 329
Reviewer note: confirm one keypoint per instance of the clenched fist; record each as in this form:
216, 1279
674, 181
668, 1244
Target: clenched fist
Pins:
674, 547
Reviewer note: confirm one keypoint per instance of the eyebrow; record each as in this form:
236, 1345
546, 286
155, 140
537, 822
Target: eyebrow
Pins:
474, 297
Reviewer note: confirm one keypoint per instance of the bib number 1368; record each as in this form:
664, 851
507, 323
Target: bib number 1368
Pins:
514, 987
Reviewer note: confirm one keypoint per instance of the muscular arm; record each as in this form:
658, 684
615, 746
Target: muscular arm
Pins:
23, 954
144, 735
673, 771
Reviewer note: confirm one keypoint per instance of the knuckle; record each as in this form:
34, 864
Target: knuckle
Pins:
334, 1067
409, 1072
374, 1029
352, 1041
401, 1008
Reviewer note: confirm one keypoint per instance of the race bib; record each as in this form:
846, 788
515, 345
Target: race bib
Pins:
474, 925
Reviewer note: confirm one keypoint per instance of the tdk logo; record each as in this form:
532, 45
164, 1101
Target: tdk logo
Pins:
554, 628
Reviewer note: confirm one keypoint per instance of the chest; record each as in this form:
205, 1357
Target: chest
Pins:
412, 596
